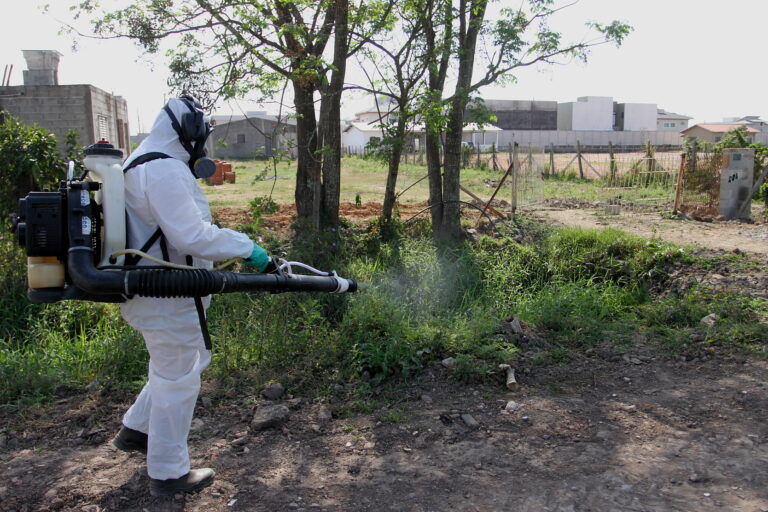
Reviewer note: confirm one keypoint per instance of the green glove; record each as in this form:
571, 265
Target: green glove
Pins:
258, 258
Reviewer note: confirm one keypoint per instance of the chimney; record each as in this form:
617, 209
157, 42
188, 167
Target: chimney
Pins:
42, 67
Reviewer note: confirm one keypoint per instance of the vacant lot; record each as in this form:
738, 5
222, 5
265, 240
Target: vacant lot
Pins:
626, 400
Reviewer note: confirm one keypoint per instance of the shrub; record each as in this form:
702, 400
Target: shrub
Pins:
31, 161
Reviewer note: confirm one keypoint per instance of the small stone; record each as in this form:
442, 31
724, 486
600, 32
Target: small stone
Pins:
469, 421
293, 504
3, 440
635, 360
197, 424
627, 379
269, 416
93, 387
273, 391
449, 362
369, 445
315, 427
513, 325
709, 320
295, 403
512, 406
324, 414
240, 441
707, 495
207, 402
407, 450
696, 478
426, 398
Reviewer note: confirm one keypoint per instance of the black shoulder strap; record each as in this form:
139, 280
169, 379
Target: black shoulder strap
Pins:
201, 315
147, 157
158, 234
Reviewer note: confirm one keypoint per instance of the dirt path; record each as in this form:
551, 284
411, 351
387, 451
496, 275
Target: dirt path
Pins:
613, 431
751, 238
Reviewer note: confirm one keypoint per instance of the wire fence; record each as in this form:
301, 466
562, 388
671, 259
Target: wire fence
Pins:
634, 181
615, 182
699, 186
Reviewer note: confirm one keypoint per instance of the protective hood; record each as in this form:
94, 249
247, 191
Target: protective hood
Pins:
163, 138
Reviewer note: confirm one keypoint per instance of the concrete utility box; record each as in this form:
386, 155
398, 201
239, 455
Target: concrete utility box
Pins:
736, 180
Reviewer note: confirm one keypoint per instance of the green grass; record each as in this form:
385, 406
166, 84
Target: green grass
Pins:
364, 177
576, 288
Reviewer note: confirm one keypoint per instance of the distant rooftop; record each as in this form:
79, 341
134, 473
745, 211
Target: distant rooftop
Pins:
721, 127
663, 114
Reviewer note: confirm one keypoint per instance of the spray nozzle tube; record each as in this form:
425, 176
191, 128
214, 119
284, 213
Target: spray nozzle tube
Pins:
191, 282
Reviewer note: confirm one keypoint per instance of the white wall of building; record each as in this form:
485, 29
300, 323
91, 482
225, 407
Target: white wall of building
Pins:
588, 113
640, 116
565, 116
671, 125
354, 137
544, 138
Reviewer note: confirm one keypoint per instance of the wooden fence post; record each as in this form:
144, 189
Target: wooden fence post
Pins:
679, 186
578, 155
515, 172
552, 170
612, 166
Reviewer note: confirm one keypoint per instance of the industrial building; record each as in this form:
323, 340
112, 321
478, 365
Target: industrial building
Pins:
252, 135
91, 112
523, 114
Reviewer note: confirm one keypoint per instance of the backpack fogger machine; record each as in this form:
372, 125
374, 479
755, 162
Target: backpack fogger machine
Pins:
75, 241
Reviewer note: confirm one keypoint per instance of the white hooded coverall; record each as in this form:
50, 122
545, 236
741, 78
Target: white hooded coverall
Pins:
164, 193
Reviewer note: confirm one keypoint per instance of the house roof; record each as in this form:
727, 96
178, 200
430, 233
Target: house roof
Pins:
721, 127
663, 114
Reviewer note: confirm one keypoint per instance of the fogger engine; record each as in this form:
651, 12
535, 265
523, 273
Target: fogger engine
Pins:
75, 241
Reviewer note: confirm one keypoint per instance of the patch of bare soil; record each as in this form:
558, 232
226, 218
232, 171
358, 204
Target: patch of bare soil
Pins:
614, 429
286, 215
723, 235
611, 430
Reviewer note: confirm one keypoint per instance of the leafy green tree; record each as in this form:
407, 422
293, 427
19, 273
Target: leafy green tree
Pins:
31, 160
517, 38
397, 64
230, 48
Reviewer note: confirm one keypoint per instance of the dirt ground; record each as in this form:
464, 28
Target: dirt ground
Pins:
724, 235
615, 429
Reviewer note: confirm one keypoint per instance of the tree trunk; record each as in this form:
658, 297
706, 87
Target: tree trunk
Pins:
451, 222
468, 32
308, 165
394, 169
439, 53
331, 121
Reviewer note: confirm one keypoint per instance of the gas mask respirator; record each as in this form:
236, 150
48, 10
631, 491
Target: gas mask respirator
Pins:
193, 130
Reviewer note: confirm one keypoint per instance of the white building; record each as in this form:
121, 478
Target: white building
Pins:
635, 117
671, 122
752, 121
587, 113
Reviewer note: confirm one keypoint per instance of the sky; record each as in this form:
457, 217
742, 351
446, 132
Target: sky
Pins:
701, 58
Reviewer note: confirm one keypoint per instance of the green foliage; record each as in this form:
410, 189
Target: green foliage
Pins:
258, 207
417, 304
31, 161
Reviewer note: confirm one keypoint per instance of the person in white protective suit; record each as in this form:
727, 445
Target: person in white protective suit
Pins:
169, 218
